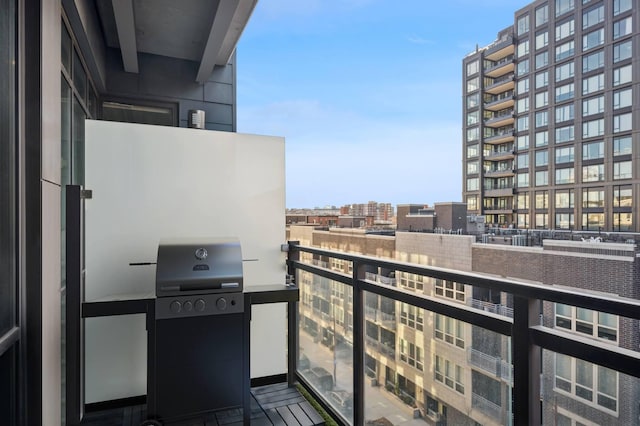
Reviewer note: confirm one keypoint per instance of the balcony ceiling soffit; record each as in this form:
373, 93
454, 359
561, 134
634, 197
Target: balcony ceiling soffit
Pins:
203, 31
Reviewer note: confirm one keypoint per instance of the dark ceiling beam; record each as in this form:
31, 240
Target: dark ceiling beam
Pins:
125, 23
230, 19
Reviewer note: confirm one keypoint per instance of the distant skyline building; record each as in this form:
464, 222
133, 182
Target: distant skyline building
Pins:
550, 125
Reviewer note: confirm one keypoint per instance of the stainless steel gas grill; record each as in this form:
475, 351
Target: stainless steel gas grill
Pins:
198, 339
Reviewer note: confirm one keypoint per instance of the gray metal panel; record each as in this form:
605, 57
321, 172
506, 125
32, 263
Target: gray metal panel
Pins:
218, 92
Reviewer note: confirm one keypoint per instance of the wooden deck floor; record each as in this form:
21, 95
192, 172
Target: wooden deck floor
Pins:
271, 405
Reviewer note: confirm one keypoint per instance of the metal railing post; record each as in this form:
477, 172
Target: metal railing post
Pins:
358, 344
527, 362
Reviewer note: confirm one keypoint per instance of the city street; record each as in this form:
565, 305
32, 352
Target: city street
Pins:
378, 402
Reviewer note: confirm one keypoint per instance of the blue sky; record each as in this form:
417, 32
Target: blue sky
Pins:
367, 93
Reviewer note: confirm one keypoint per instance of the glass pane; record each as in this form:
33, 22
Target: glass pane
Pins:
326, 335
79, 76
127, 113
7, 166
66, 48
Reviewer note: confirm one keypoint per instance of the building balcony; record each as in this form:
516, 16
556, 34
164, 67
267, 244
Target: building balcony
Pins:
501, 84
384, 319
500, 120
501, 67
366, 362
499, 102
499, 155
499, 137
499, 172
500, 49
499, 192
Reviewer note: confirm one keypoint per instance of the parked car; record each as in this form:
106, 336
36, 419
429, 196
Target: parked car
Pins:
321, 378
342, 399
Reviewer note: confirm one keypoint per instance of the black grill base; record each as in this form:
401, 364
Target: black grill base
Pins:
199, 365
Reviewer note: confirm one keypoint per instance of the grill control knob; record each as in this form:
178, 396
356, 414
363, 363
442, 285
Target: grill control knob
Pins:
221, 303
187, 306
200, 305
175, 306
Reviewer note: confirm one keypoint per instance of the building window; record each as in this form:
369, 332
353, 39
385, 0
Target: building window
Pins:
473, 134
472, 68
449, 289
564, 134
542, 118
622, 221
472, 150
593, 128
622, 51
542, 99
523, 24
593, 39
449, 330
565, 50
593, 383
565, 92
523, 67
592, 198
473, 100
542, 178
564, 113
522, 201
622, 145
522, 220
523, 105
523, 49
596, 324
622, 123
592, 84
542, 15
565, 176
564, 155
542, 39
622, 196
523, 180
542, 138
472, 203
620, 6
622, 98
522, 161
592, 221
565, 221
411, 281
564, 71
522, 123
522, 86
565, 29
565, 199
473, 84
542, 158
412, 316
472, 167
593, 17
593, 173
542, 60
473, 118
542, 79
622, 28
593, 61
622, 75
411, 354
622, 170
542, 200
564, 6
593, 150
522, 142
542, 221
449, 373
593, 106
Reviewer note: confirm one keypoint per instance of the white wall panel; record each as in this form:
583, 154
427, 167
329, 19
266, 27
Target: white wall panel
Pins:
154, 182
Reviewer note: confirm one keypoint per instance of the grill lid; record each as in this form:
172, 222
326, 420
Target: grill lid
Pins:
198, 266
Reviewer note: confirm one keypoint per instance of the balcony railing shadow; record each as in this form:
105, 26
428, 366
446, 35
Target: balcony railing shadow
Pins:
520, 324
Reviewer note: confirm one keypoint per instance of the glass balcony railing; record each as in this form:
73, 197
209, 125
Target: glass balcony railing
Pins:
554, 353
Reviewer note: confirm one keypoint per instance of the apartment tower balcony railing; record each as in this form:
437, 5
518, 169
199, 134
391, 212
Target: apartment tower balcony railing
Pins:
416, 374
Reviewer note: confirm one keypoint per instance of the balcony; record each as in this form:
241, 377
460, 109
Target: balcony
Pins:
501, 84
518, 382
501, 67
500, 154
499, 102
500, 119
496, 172
500, 49
506, 191
498, 137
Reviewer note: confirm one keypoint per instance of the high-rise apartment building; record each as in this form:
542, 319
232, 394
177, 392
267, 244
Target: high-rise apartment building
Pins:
550, 136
